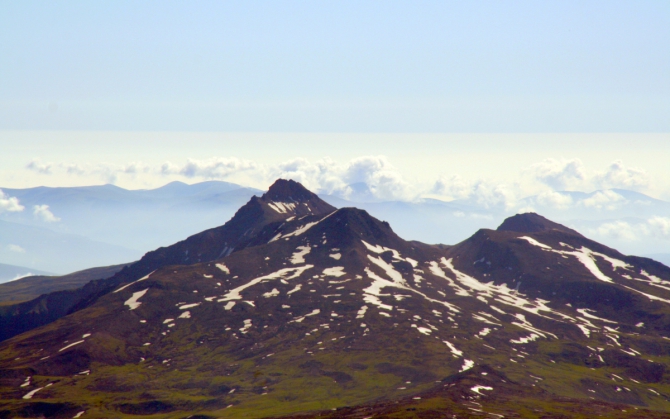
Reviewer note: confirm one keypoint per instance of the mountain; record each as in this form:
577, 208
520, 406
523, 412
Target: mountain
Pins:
13, 272
284, 201
30, 287
141, 220
664, 258
630, 221
133, 220
45, 250
427, 220
325, 312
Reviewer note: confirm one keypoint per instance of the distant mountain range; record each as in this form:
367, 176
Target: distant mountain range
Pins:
12, 272
107, 225
33, 286
296, 308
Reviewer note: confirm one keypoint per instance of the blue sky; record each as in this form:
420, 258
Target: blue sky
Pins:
345, 66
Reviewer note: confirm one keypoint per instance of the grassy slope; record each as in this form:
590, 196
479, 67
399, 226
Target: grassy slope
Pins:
31, 287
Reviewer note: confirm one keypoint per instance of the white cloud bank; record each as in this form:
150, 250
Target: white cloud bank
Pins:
375, 178
571, 174
559, 174
619, 176
654, 227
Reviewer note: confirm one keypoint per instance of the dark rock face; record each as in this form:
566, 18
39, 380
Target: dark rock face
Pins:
312, 306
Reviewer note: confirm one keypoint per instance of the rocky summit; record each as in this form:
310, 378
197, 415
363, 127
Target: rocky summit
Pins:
294, 308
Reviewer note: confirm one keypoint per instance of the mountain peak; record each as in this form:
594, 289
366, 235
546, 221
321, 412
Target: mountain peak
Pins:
531, 222
288, 190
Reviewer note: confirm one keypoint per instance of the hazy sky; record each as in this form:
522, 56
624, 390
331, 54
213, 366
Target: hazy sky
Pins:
139, 93
339, 66
398, 165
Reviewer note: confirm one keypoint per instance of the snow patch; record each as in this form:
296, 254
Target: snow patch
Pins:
584, 330
532, 337
33, 392
455, 352
223, 268
336, 271
484, 332
373, 292
247, 325
478, 388
282, 207
296, 289
301, 318
587, 257
299, 255
426, 331
467, 365
273, 293
133, 302
300, 230
361, 312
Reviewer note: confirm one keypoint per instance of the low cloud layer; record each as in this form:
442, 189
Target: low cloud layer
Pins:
375, 178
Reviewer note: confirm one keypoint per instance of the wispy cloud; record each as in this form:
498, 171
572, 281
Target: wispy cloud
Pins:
36, 165
43, 213
213, 168
15, 248
9, 204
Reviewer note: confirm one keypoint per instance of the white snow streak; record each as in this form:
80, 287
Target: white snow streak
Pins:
455, 352
70, 345
286, 274
141, 279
